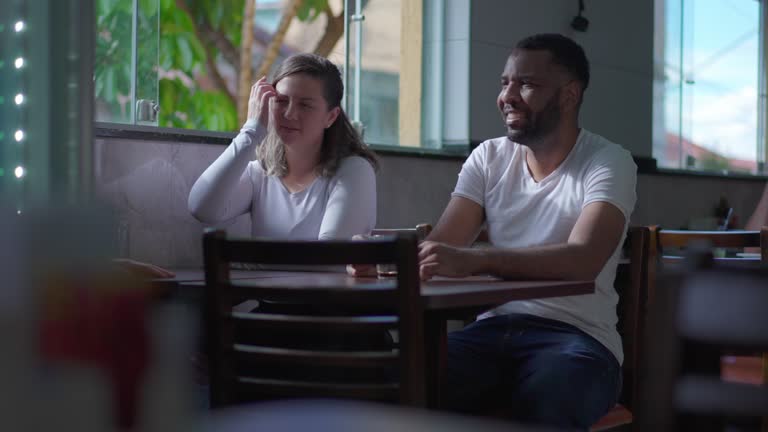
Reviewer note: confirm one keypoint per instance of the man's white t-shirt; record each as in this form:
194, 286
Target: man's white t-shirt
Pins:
521, 213
337, 207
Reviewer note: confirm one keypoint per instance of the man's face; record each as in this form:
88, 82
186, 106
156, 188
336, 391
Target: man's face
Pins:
530, 94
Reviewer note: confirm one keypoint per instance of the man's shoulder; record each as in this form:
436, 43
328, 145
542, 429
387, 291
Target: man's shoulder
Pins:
598, 147
492, 148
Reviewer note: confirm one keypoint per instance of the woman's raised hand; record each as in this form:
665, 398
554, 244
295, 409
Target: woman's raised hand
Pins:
258, 102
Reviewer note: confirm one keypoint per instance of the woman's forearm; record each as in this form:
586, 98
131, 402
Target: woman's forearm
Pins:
213, 198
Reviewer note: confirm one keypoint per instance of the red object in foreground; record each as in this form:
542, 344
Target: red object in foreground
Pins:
99, 323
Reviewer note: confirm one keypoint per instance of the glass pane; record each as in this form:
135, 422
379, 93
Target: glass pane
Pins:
126, 74
667, 84
147, 60
380, 65
200, 54
710, 95
112, 62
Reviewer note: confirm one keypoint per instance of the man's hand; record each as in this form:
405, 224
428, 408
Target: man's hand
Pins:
439, 259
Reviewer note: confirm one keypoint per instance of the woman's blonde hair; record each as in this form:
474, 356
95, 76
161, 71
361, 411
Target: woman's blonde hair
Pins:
340, 140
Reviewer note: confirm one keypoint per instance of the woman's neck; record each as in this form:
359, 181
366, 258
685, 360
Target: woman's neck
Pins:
301, 167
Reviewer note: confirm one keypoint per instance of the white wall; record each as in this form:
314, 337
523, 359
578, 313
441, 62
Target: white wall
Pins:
148, 182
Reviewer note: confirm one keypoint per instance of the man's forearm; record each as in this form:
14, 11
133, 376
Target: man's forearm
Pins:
564, 261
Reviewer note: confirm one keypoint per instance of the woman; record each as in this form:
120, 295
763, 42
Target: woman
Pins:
313, 177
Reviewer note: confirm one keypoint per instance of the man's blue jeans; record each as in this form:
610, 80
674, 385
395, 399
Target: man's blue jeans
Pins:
538, 370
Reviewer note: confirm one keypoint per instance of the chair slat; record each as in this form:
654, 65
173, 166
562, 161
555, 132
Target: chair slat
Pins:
354, 324
358, 359
726, 308
710, 396
373, 251
362, 295
288, 388
720, 239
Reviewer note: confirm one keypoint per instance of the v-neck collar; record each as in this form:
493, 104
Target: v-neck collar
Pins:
554, 174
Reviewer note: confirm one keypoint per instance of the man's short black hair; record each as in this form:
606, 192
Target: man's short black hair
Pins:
565, 52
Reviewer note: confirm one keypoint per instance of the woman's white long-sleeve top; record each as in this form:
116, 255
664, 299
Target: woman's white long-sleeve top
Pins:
329, 208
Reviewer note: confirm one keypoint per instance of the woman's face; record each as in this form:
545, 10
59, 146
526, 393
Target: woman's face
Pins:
301, 113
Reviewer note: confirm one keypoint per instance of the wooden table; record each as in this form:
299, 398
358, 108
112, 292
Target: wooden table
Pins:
451, 297
442, 299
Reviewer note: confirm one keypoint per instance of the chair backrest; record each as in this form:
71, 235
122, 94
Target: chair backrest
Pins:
632, 282
302, 351
717, 239
697, 315
662, 239
421, 231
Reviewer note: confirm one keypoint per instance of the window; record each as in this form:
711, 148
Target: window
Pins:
708, 87
186, 58
125, 75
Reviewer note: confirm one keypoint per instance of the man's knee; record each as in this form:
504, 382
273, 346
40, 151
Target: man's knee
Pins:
567, 391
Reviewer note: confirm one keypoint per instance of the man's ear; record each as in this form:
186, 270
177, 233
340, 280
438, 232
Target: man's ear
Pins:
571, 95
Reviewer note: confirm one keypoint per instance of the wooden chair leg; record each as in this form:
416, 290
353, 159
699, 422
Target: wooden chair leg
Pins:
765, 383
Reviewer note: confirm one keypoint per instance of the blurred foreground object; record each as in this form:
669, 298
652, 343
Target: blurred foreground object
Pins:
90, 349
348, 416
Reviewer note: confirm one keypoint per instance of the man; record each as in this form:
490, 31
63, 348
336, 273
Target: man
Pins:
556, 200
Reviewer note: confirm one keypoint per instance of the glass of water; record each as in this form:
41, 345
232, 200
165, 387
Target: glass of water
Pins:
385, 270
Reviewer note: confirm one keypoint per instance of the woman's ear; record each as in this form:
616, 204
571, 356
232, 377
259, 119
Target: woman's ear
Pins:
332, 116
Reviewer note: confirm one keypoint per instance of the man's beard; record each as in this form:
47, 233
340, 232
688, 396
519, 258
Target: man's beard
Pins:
541, 124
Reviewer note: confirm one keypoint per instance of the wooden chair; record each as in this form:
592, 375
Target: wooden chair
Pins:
696, 316
271, 367
632, 284
741, 368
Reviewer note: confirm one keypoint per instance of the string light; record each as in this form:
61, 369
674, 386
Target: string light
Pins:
19, 135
